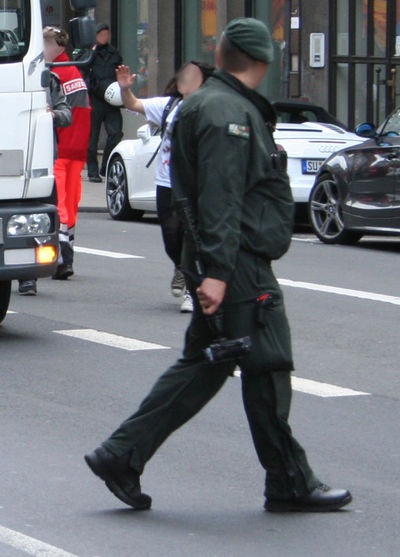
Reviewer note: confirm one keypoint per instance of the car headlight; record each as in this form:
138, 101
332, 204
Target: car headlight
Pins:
28, 225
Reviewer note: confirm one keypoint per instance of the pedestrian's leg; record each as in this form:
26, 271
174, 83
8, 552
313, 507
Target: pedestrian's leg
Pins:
267, 394
172, 234
171, 227
176, 397
74, 191
113, 127
96, 120
267, 398
61, 167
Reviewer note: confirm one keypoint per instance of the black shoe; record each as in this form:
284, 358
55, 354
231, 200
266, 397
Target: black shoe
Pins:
63, 272
321, 499
121, 480
96, 178
27, 287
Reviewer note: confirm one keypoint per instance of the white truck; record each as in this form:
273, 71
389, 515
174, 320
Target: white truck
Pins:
28, 225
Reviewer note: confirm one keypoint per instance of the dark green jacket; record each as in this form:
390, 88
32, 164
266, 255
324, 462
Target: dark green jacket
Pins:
221, 161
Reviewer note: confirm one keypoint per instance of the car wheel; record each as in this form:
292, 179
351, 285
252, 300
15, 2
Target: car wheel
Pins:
325, 213
117, 192
5, 293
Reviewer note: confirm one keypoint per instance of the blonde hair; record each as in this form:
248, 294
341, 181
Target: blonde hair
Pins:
59, 35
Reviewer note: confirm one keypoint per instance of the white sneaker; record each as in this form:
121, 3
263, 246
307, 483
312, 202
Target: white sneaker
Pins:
187, 304
178, 287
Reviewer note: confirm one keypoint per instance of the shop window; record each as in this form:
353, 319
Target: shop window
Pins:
360, 107
379, 24
133, 33
142, 47
378, 93
397, 46
274, 14
361, 19
208, 30
342, 80
342, 28
199, 30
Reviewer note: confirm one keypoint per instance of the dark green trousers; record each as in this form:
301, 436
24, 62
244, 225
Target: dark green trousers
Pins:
266, 389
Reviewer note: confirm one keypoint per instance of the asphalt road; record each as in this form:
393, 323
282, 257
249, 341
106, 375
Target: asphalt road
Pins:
62, 395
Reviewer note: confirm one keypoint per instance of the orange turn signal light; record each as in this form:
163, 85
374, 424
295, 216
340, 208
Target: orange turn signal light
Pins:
46, 254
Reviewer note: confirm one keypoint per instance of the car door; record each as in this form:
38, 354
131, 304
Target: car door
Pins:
142, 190
373, 179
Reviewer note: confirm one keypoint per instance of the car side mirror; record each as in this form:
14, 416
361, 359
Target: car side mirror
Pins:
144, 133
366, 130
83, 32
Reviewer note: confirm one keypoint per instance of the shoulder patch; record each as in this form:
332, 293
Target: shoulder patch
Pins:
238, 130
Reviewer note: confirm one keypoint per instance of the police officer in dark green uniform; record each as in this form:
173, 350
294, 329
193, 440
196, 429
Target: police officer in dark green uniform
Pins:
225, 162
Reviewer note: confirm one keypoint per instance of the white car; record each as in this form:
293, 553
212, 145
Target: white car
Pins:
130, 188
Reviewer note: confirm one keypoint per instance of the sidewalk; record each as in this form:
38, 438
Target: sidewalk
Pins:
93, 196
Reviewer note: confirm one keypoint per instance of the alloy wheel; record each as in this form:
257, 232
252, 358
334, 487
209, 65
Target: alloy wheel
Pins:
325, 211
116, 188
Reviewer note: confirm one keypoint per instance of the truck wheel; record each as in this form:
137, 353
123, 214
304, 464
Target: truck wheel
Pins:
5, 293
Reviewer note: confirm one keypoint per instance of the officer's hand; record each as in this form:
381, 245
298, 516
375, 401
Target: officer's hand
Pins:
124, 77
210, 293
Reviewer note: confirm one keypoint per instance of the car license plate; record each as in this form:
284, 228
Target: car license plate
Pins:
311, 166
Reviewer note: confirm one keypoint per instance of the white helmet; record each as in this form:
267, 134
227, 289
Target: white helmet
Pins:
113, 94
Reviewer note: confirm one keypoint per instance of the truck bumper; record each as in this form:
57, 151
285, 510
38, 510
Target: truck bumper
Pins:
28, 256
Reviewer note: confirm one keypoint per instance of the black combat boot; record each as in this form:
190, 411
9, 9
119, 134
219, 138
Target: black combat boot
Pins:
322, 499
120, 479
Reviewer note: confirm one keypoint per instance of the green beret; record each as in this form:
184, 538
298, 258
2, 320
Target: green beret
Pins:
252, 37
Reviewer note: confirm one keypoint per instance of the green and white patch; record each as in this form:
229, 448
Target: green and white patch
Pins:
239, 130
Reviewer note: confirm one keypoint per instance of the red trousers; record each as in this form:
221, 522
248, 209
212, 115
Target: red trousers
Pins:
67, 174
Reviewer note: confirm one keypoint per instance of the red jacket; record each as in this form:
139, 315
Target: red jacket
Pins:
73, 141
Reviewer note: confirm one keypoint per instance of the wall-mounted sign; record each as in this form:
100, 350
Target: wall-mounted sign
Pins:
317, 50
295, 22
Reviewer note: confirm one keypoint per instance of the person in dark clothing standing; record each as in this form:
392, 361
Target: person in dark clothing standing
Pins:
225, 163
99, 75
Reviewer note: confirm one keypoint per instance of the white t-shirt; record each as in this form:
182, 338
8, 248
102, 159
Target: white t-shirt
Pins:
154, 109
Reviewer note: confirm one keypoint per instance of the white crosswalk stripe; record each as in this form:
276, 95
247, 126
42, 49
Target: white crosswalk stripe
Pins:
104, 253
324, 390
109, 339
361, 294
317, 388
31, 546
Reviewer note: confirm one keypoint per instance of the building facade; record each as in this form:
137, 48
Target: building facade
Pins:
342, 54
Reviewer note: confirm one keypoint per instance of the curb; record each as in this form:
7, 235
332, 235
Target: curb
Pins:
93, 210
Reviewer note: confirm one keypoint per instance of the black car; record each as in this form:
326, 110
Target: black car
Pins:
357, 190
296, 112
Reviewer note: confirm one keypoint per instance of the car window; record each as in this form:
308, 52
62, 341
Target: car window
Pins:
14, 30
392, 124
309, 115
295, 116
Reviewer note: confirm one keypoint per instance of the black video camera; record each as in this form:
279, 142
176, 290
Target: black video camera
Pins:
226, 349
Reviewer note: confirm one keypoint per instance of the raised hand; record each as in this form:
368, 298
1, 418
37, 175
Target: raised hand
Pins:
124, 77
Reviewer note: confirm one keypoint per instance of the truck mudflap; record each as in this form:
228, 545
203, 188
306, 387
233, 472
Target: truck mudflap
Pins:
28, 240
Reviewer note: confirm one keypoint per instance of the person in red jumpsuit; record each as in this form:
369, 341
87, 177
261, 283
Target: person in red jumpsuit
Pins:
72, 146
